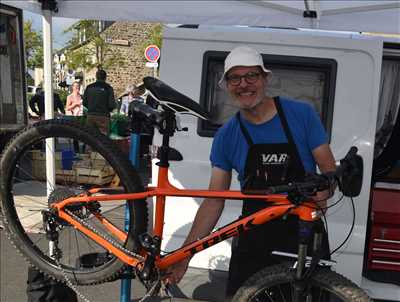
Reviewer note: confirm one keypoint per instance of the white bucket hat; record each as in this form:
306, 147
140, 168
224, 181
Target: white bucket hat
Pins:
243, 56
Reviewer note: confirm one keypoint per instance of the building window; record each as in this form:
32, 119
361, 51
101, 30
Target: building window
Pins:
311, 80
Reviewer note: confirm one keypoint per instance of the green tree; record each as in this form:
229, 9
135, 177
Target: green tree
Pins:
33, 44
88, 49
155, 38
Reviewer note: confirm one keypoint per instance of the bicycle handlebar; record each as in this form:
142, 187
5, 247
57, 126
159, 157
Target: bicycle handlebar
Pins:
348, 175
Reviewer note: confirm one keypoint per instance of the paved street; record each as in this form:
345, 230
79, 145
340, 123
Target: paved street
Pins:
13, 276
30, 198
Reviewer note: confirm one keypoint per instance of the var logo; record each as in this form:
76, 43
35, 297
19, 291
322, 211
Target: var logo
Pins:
273, 158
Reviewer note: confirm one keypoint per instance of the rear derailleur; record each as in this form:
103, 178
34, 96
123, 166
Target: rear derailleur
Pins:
50, 226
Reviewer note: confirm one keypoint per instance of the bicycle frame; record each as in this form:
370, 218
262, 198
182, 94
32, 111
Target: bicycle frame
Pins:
164, 188
282, 206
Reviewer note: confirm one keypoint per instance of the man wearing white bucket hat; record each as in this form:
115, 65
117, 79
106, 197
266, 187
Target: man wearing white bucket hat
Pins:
269, 141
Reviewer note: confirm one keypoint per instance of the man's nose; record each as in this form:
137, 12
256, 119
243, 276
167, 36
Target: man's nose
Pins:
243, 82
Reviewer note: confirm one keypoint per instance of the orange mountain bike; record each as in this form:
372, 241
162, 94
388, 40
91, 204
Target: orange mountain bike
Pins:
84, 214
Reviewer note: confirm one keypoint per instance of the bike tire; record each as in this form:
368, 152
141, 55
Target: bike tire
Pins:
274, 284
61, 129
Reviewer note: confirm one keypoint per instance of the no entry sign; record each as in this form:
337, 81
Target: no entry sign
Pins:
152, 53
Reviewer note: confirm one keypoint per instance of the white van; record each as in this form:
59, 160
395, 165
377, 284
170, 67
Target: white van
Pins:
353, 82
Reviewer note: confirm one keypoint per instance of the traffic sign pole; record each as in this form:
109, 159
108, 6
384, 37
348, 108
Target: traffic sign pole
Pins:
152, 54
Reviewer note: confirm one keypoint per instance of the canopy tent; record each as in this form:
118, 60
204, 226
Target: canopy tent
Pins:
356, 16
366, 16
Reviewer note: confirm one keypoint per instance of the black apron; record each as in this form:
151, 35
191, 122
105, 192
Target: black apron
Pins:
266, 165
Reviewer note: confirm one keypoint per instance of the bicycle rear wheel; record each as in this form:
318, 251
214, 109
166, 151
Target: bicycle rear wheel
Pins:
275, 284
84, 159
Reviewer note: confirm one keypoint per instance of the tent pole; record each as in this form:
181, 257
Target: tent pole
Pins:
312, 11
48, 96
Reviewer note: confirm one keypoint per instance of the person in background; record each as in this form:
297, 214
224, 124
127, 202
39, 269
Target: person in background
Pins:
36, 103
74, 105
99, 101
132, 93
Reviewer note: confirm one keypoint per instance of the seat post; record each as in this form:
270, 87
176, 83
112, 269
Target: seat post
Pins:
167, 129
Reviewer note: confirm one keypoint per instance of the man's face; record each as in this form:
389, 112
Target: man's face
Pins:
246, 86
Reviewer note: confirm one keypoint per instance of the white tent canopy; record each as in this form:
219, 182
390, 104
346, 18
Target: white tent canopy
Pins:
366, 16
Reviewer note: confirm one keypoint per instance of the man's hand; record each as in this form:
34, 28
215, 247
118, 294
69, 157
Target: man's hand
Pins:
175, 273
321, 199
326, 162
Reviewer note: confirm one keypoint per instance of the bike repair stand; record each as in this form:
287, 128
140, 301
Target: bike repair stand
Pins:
134, 151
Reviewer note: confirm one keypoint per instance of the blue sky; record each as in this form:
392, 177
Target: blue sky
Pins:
59, 25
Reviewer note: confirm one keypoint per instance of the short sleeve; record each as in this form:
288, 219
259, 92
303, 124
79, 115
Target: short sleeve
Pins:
218, 156
316, 133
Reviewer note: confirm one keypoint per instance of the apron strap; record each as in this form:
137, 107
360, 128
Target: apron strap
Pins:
244, 130
286, 128
282, 118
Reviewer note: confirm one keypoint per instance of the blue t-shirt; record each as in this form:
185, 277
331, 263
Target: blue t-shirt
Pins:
229, 148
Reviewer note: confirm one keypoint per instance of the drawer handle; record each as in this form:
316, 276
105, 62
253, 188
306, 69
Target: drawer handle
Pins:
385, 262
386, 240
385, 250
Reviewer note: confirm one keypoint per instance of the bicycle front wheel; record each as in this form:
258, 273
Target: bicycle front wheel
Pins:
276, 284
84, 159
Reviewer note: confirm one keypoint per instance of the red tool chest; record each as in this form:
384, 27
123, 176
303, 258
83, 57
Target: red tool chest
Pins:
384, 240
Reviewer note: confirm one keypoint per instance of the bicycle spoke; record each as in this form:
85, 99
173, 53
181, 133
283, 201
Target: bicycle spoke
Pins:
282, 295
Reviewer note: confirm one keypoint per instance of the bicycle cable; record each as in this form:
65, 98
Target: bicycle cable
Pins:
351, 229
324, 208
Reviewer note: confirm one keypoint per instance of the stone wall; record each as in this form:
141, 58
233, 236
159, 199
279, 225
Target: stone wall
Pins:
132, 70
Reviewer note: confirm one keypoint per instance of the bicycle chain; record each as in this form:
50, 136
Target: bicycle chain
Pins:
104, 236
112, 242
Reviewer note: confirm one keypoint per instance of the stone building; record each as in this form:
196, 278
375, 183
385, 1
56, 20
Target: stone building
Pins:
126, 39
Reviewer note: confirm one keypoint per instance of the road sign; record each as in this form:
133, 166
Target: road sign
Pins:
152, 53
152, 64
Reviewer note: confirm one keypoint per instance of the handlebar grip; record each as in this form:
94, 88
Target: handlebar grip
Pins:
347, 161
352, 152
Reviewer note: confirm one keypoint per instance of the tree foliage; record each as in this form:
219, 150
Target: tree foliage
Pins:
155, 38
33, 44
87, 48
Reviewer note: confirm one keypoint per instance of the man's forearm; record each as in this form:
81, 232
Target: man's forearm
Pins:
206, 218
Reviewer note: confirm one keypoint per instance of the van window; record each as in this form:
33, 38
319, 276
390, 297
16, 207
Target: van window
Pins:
310, 80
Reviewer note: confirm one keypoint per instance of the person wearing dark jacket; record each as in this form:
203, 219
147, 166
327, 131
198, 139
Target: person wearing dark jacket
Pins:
99, 101
36, 103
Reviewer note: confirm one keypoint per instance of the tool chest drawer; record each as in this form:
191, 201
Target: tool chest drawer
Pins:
384, 239
384, 248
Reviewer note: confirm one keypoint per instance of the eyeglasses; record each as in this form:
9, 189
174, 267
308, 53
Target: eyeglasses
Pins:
250, 78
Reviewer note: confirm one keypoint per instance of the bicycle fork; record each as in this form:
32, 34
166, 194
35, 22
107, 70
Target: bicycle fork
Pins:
300, 292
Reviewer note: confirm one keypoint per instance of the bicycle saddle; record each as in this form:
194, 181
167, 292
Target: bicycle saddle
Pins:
172, 99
